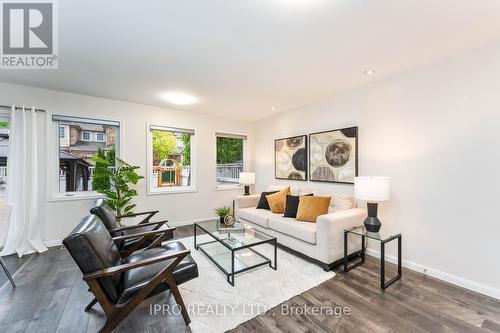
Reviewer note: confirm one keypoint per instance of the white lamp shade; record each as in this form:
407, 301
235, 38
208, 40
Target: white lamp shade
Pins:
247, 178
372, 189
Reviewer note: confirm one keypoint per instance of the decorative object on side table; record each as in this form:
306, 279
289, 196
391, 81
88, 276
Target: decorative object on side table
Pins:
247, 179
290, 158
379, 237
373, 190
222, 212
333, 156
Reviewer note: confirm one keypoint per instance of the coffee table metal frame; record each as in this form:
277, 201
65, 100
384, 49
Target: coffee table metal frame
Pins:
230, 275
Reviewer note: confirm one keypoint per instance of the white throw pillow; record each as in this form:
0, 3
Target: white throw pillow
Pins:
339, 201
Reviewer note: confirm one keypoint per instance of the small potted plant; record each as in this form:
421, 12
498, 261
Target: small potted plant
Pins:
222, 212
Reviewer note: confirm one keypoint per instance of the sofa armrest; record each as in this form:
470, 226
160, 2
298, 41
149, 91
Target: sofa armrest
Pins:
330, 232
246, 201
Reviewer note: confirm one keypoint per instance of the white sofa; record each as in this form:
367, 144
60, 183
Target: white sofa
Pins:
321, 242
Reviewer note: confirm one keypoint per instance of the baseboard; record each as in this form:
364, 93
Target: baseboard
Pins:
435, 273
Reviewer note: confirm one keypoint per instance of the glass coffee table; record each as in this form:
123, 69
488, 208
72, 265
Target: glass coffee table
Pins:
233, 249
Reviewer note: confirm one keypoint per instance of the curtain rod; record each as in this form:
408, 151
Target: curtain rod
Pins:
19, 108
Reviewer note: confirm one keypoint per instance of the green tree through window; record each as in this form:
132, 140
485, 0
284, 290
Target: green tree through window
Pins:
186, 151
164, 144
229, 150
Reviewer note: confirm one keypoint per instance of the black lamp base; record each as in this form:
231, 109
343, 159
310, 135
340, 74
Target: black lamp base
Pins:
372, 223
247, 190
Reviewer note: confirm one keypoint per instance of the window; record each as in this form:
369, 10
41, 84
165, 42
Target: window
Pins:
100, 137
76, 169
4, 151
170, 159
62, 132
230, 158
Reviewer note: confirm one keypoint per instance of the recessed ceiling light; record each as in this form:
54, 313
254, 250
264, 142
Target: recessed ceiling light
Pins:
369, 72
272, 108
179, 98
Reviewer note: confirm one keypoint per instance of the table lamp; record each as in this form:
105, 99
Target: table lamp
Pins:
247, 179
372, 190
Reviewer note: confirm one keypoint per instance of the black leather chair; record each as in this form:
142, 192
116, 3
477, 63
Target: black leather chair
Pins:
129, 245
119, 283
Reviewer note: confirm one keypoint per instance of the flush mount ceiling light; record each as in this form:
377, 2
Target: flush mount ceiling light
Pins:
179, 98
369, 72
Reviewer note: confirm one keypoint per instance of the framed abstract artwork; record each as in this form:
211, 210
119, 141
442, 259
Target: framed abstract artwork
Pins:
333, 156
290, 158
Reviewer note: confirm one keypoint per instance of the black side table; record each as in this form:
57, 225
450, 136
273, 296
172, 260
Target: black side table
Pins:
383, 239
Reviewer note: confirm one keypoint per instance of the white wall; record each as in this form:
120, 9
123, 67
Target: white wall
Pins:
435, 131
59, 217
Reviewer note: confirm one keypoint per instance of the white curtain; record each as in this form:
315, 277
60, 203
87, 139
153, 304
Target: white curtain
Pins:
23, 183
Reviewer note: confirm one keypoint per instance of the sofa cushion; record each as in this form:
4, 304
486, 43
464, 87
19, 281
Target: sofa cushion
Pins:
340, 201
277, 201
257, 216
263, 204
312, 207
304, 231
292, 204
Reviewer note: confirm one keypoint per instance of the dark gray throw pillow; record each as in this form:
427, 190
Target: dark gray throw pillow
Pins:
263, 204
292, 205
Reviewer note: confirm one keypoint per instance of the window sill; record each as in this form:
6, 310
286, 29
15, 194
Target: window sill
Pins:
173, 191
74, 197
228, 188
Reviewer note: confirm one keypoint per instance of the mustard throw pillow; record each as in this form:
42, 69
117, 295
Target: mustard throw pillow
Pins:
312, 207
277, 200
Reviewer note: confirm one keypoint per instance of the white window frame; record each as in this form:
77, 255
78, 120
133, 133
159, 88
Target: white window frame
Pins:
229, 134
53, 193
83, 136
149, 148
97, 137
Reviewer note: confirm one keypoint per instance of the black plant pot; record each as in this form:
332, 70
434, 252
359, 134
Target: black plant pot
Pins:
221, 219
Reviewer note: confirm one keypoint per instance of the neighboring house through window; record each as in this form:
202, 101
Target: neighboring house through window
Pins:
79, 140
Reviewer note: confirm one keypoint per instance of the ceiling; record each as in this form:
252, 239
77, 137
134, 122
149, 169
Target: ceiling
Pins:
243, 58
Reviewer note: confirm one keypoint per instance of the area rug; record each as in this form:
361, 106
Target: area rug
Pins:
216, 306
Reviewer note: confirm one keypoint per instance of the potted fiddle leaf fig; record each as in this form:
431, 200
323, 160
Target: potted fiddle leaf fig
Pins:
121, 179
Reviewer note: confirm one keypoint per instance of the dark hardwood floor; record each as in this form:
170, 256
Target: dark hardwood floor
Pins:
13, 263
51, 296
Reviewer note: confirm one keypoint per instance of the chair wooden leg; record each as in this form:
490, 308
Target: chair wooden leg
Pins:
178, 299
109, 326
91, 304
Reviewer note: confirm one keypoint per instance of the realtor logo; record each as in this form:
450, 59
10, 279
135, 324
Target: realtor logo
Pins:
29, 36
